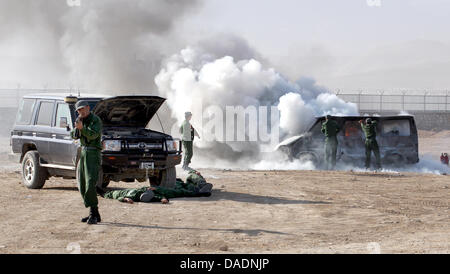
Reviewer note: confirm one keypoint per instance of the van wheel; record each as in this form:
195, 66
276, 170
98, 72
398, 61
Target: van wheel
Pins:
33, 175
307, 157
168, 177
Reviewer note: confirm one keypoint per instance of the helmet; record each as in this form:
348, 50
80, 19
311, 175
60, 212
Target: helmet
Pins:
147, 196
368, 121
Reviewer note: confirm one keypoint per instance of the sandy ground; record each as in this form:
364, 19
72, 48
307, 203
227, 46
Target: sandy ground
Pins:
248, 212
434, 143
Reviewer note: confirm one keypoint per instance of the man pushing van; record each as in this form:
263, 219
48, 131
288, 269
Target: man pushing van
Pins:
371, 144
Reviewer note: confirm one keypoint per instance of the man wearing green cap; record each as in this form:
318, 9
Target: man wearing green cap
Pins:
187, 132
330, 129
371, 144
88, 129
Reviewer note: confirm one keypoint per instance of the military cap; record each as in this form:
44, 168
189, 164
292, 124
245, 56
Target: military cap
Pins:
81, 104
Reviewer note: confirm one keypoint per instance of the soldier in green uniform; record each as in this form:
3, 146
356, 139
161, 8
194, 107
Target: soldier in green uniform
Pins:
187, 132
330, 129
196, 182
160, 194
370, 130
88, 128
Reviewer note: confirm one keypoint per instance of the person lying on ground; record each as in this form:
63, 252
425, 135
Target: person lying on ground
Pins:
160, 194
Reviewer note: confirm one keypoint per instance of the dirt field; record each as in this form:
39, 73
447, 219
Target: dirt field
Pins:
248, 212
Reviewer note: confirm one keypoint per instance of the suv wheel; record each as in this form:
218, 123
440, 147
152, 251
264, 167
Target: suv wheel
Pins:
168, 177
33, 175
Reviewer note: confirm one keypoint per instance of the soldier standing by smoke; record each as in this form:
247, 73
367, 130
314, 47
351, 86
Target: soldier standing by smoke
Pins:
88, 129
187, 132
330, 128
370, 130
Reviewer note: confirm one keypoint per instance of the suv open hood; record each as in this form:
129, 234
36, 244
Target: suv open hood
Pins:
128, 110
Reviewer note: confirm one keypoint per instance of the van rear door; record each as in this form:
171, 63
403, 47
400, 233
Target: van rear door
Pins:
398, 137
42, 132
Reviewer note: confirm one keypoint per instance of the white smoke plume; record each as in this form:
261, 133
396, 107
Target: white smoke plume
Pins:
196, 79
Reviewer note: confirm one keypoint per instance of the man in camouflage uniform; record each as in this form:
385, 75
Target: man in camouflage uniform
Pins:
330, 129
370, 130
88, 129
195, 186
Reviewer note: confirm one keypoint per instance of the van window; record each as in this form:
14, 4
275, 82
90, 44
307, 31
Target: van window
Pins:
45, 114
63, 118
25, 111
352, 129
396, 128
316, 129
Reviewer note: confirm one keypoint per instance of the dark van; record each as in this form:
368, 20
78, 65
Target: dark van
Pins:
396, 136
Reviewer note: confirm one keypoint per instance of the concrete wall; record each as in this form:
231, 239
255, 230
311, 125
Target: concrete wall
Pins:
426, 120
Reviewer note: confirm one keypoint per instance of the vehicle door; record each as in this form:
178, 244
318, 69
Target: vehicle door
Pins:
42, 132
351, 140
396, 137
22, 132
62, 147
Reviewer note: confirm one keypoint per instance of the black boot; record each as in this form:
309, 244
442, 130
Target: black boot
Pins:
92, 219
97, 214
85, 219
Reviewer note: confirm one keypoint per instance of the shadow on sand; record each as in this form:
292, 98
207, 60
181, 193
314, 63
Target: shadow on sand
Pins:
249, 232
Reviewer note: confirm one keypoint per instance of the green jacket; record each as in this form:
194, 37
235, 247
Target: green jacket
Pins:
194, 178
370, 130
330, 128
132, 193
91, 133
180, 190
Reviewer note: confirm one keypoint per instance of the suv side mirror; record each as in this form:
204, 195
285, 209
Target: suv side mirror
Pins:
63, 122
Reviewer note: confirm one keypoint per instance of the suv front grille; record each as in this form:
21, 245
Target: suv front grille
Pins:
144, 145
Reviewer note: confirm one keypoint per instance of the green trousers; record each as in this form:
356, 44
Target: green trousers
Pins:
372, 145
187, 146
88, 170
330, 152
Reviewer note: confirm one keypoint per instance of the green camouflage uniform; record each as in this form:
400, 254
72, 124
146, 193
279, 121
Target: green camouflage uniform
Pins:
181, 189
330, 128
131, 193
194, 180
90, 158
371, 144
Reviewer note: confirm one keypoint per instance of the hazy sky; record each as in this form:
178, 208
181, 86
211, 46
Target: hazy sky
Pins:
342, 44
344, 26
338, 42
